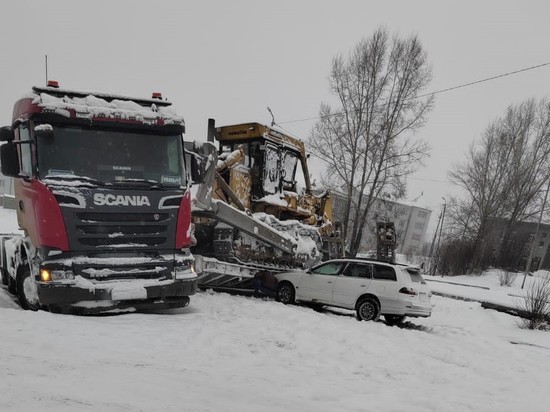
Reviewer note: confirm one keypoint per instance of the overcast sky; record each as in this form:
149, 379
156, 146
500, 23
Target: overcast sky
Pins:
230, 60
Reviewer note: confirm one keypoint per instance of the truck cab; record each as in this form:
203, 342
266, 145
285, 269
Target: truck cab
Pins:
103, 199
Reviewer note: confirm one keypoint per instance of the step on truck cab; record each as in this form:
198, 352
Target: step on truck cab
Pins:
103, 200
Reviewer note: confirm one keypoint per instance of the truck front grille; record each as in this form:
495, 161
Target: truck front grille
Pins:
153, 270
122, 230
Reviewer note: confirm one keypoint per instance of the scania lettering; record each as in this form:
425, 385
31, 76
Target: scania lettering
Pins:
102, 200
120, 200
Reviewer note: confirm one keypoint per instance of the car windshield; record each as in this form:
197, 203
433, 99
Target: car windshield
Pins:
111, 156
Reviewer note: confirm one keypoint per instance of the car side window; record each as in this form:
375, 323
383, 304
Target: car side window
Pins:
358, 270
330, 268
383, 272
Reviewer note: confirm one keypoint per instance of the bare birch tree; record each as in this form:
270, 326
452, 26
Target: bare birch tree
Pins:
367, 139
504, 173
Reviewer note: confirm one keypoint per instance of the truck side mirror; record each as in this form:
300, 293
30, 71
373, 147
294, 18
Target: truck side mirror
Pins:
6, 134
43, 130
9, 160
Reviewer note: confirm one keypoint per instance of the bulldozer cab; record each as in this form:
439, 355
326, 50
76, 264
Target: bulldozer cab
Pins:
271, 157
263, 176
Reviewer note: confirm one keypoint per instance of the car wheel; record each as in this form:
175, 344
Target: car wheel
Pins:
286, 293
368, 309
26, 289
394, 319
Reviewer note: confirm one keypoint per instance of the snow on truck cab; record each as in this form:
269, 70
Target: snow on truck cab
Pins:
103, 200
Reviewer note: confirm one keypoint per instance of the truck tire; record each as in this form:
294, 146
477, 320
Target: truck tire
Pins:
5, 276
26, 288
11, 285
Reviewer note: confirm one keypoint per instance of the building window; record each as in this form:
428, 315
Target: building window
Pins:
544, 234
422, 214
419, 225
541, 244
416, 237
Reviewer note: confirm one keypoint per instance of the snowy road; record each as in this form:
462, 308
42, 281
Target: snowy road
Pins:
234, 353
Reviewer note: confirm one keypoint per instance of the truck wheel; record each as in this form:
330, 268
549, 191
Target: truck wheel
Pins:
26, 289
5, 276
11, 285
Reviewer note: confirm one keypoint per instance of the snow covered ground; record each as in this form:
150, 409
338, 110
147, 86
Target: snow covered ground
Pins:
236, 353
486, 287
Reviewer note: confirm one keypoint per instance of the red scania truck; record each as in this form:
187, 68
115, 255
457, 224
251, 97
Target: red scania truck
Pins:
103, 201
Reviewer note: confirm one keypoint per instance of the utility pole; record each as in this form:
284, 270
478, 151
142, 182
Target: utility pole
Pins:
441, 226
532, 251
435, 235
440, 230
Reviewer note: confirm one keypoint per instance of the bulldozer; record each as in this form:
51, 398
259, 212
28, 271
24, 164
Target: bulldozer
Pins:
250, 214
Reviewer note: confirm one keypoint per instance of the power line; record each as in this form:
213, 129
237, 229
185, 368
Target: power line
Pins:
429, 180
485, 80
448, 89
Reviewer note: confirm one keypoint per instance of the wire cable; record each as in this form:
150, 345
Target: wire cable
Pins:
448, 89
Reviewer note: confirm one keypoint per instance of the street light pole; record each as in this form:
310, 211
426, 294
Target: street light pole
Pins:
532, 251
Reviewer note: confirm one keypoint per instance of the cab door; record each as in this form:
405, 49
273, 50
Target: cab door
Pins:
354, 280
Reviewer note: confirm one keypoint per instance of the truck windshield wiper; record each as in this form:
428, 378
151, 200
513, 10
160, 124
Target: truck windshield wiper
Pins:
76, 180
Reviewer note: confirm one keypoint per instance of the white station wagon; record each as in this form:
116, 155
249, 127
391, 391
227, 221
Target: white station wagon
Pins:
370, 287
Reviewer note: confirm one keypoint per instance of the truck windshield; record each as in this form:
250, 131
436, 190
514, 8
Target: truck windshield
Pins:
111, 156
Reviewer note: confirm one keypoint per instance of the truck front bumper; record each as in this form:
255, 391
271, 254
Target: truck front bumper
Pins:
95, 285
85, 298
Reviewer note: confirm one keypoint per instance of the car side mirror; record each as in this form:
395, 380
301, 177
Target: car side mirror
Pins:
9, 160
6, 134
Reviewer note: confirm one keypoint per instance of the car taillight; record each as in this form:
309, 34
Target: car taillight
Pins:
408, 291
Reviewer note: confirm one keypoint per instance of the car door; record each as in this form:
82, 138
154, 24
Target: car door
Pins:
354, 280
385, 287
317, 285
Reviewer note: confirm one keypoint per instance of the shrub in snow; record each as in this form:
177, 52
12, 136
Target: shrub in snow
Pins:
506, 277
536, 304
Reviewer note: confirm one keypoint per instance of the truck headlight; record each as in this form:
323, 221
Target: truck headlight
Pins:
49, 275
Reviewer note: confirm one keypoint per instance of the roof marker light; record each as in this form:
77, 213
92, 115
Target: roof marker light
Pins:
53, 83
157, 95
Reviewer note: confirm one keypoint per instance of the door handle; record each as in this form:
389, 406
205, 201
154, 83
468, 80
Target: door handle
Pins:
329, 281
